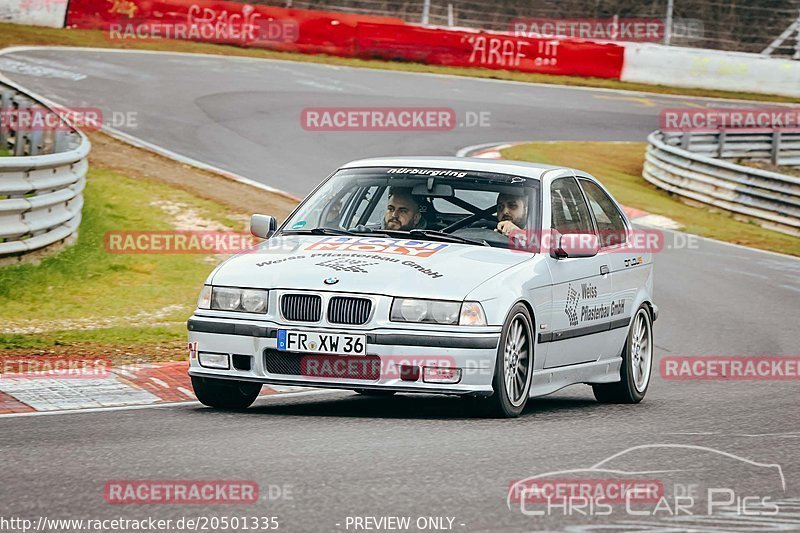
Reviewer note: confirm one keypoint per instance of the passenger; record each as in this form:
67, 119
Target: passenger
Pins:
512, 212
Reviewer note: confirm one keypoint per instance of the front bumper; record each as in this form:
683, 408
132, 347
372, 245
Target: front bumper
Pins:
473, 353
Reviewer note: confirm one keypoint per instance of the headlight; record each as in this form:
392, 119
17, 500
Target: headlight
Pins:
239, 300
437, 312
226, 299
411, 310
444, 312
254, 301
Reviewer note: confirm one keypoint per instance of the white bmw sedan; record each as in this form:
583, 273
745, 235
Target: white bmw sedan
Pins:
493, 280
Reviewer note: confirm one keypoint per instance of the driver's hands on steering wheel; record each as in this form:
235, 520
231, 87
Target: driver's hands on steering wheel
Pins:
506, 227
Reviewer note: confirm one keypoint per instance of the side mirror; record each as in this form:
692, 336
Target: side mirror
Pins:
263, 226
575, 245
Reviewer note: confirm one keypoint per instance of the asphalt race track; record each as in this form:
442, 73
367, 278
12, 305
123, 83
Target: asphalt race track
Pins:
243, 115
344, 455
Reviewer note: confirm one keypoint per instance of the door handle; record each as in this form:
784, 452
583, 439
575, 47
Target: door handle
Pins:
604, 270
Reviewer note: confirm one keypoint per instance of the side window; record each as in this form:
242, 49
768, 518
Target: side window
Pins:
609, 220
569, 211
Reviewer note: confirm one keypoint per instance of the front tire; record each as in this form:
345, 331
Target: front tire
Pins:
637, 363
225, 394
513, 369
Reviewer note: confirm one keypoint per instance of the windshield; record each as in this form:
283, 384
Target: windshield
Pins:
433, 204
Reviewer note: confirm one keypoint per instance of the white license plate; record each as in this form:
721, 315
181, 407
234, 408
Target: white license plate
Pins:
314, 342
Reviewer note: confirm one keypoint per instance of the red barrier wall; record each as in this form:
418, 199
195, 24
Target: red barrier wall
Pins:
489, 50
340, 34
223, 22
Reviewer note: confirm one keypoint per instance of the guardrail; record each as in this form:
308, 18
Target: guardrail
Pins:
41, 183
693, 166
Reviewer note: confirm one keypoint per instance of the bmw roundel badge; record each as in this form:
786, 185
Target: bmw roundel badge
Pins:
331, 281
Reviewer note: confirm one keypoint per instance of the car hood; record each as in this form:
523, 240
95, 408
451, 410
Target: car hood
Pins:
373, 265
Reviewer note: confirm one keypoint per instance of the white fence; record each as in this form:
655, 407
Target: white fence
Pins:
51, 13
692, 165
41, 182
710, 69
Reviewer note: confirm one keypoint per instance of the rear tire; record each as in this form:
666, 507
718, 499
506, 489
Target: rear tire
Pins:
637, 363
225, 394
513, 369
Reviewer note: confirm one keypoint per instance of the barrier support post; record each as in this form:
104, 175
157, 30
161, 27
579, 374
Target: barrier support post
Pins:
5, 109
20, 137
37, 136
668, 22
797, 41
775, 154
686, 139
61, 142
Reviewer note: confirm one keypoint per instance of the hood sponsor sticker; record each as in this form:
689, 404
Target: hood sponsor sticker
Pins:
347, 265
378, 245
348, 262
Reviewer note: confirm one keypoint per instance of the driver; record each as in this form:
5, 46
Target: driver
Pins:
512, 212
402, 210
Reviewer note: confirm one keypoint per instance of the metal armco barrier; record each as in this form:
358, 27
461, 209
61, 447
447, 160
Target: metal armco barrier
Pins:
693, 165
41, 182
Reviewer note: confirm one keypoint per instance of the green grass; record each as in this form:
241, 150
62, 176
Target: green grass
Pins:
4, 152
619, 167
122, 336
85, 282
13, 34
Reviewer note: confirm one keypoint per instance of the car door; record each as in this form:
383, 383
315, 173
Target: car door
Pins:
582, 290
629, 266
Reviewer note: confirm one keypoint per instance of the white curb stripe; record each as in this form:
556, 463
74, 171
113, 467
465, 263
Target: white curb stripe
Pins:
166, 404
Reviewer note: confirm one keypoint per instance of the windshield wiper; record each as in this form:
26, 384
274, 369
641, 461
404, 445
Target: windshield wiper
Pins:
322, 231
447, 236
350, 233
435, 235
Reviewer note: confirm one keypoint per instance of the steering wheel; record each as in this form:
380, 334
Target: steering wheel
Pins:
485, 214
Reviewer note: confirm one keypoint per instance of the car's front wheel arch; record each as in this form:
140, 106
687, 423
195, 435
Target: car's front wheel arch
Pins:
513, 367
